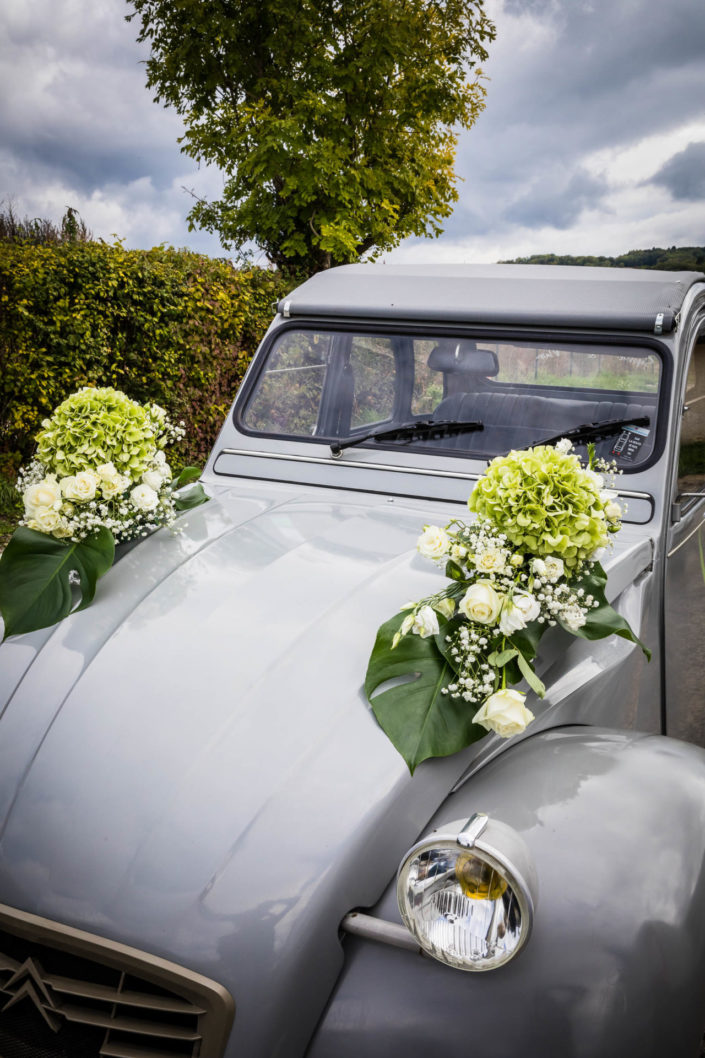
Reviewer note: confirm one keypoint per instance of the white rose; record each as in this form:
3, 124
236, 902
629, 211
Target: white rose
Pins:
457, 551
425, 623
574, 617
504, 712
481, 603
433, 542
597, 479
111, 487
81, 487
564, 445
445, 607
46, 493
518, 612
553, 568
144, 498
538, 566
613, 511
597, 555
491, 560
107, 472
45, 520
154, 479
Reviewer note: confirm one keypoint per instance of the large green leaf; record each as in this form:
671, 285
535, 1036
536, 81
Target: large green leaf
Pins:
185, 477
34, 577
603, 620
194, 497
419, 720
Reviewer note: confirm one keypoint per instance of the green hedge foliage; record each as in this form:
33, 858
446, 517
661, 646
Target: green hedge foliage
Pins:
163, 325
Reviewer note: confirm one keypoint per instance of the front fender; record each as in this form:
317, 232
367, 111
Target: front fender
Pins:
616, 963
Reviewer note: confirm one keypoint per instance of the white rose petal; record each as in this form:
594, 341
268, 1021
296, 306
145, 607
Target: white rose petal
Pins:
114, 487
81, 487
505, 713
46, 493
518, 612
425, 623
45, 520
574, 617
106, 471
154, 479
433, 542
553, 568
597, 479
445, 607
597, 555
144, 498
491, 560
538, 566
481, 603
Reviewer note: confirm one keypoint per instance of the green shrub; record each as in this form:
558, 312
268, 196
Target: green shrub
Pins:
164, 325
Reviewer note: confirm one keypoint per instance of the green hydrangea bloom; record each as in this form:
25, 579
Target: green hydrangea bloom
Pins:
545, 502
95, 426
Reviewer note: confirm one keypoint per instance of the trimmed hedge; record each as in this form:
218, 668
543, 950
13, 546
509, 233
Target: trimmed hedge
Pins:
163, 325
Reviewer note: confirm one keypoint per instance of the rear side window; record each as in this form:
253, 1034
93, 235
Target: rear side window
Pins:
287, 399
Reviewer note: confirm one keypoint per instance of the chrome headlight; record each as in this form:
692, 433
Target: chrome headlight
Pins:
468, 894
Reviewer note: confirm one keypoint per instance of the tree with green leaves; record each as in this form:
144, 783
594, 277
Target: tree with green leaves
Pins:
334, 122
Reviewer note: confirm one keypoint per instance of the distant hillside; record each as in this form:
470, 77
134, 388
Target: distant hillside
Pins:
674, 259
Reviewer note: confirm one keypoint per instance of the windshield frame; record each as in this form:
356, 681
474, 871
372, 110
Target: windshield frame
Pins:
431, 329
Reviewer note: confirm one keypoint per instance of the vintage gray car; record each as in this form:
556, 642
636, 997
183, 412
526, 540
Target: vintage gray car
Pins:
202, 821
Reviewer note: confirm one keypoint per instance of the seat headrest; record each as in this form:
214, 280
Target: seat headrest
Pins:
463, 355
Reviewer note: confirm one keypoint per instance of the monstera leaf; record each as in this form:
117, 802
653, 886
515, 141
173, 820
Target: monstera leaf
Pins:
195, 496
419, 720
35, 590
603, 620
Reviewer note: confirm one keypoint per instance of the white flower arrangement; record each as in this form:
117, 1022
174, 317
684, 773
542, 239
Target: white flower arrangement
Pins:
528, 563
100, 477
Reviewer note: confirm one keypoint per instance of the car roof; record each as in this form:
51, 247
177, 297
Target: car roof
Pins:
631, 299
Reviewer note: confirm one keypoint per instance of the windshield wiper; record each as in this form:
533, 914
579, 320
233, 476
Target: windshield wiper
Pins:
591, 431
428, 429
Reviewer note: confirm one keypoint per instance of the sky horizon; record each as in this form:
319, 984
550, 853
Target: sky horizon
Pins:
592, 141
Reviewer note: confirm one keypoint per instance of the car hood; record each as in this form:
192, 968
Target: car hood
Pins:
190, 766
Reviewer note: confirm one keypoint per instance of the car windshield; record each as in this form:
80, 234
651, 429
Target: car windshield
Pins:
329, 386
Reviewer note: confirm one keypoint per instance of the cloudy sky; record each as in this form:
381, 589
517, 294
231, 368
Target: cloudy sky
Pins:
593, 139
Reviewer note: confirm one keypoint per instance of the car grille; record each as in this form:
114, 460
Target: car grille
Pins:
69, 994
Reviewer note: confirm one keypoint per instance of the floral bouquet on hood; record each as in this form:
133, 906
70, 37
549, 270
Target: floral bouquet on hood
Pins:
100, 476
529, 562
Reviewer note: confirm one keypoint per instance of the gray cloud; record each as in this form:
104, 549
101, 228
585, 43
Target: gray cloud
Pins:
555, 202
567, 78
684, 174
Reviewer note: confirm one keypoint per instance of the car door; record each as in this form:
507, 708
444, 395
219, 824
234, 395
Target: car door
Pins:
684, 597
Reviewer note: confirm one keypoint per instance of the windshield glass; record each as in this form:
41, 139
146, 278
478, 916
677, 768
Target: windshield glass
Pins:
324, 386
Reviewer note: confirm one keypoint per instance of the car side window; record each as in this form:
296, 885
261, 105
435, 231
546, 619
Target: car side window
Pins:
288, 394
374, 377
691, 454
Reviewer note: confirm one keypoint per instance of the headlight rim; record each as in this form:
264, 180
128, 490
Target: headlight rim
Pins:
486, 837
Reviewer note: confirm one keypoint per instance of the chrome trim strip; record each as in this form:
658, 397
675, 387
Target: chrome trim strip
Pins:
379, 929
692, 533
347, 463
423, 471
